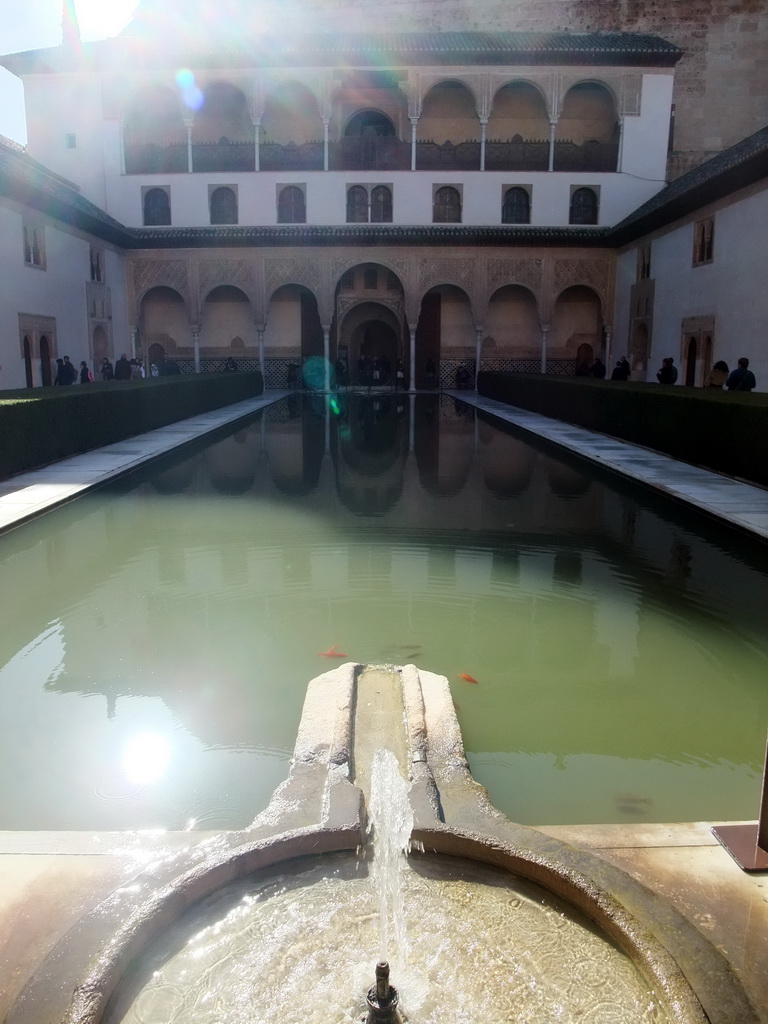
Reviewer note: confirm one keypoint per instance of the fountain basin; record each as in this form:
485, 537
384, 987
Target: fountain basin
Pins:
321, 810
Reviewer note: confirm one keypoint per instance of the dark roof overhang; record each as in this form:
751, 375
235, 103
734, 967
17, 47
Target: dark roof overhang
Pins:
364, 50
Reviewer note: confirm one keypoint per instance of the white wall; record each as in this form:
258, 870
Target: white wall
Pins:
644, 147
731, 288
412, 195
58, 291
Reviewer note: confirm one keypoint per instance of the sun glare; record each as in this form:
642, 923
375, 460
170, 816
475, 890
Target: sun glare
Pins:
146, 757
99, 20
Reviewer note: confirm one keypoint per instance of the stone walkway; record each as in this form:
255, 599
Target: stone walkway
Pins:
741, 504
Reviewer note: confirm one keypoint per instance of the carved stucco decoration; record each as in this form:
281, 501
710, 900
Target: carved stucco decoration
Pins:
341, 264
347, 302
33, 326
594, 273
284, 270
526, 271
236, 273
160, 274
452, 270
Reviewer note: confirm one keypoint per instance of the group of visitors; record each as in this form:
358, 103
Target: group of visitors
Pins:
740, 379
67, 373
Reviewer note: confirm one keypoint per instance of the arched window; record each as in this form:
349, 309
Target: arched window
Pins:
357, 205
291, 208
583, 207
223, 206
446, 207
516, 208
381, 205
157, 207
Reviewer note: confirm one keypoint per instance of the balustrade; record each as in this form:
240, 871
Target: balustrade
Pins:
372, 153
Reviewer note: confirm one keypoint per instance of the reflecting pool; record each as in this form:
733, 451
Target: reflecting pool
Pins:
158, 635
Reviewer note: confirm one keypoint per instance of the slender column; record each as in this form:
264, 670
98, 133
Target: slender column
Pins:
479, 331
196, 346
327, 357
544, 337
483, 130
134, 331
414, 121
411, 421
552, 127
188, 126
620, 157
326, 126
260, 336
121, 129
608, 359
256, 142
412, 377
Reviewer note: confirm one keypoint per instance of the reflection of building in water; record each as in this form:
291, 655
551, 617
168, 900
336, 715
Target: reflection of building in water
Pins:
371, 452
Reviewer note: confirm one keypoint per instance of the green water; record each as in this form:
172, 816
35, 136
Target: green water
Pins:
158, 636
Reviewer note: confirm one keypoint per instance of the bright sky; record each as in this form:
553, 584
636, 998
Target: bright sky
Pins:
36, 24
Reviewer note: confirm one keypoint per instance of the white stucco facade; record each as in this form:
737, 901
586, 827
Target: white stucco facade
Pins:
724, 299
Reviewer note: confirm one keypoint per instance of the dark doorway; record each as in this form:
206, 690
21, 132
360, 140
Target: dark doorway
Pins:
45, 361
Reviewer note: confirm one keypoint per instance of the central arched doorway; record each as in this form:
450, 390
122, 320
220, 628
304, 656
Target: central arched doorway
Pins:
372, 338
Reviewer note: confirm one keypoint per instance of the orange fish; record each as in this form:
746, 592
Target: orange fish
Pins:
332, 652
469, 679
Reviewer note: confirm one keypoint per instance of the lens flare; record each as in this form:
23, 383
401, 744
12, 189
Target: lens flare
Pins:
190, 93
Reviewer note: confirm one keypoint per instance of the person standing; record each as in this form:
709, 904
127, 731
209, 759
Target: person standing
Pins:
107, 370
86, 377
740, 379
598, 370
620, 370
123, 368
59, 378
68, 372
717, 376
668, 372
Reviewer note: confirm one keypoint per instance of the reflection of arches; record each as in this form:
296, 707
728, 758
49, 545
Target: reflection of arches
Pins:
565, 481
295, 452
691, 354
371, 454
28, 361
176, 479
513, 320
231, 463
576, 320
507, 463
45, 361
444, 450
226, 314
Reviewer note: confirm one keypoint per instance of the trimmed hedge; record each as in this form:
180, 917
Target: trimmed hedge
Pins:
720, 430
42, 425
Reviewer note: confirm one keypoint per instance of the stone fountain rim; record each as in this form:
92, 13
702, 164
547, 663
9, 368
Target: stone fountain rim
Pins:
641, 923
109, 970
